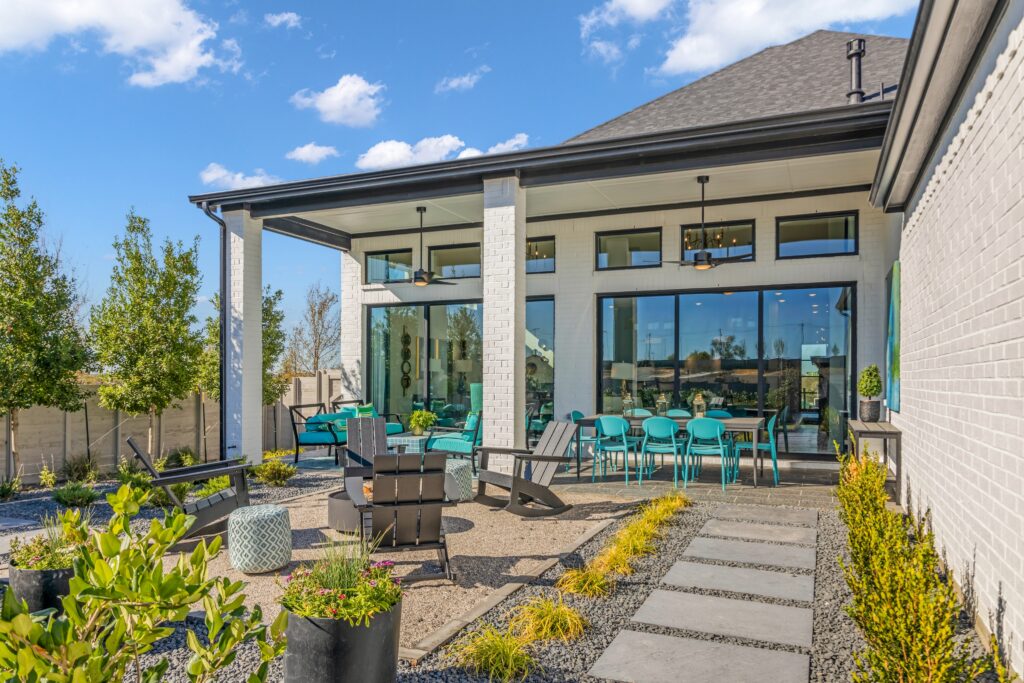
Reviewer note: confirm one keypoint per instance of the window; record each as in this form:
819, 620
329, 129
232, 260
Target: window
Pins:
540, 363
629, 249
825, 234
459, 260
732, 240
540, 255
389, 266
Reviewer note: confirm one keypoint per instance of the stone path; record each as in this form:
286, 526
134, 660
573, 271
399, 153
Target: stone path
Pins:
736, 607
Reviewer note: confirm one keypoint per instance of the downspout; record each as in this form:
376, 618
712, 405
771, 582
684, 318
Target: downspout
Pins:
205, 206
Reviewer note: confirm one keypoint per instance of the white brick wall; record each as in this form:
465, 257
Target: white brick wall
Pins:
962, 361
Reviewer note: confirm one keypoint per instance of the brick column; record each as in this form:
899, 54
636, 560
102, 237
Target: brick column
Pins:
353, 327
242, 354
504, 294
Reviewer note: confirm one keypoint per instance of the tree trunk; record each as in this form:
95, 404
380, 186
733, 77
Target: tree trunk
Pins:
149, 435
202, 425
15, 458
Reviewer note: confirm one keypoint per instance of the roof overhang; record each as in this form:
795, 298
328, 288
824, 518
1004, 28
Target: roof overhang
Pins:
829, 131
948, 41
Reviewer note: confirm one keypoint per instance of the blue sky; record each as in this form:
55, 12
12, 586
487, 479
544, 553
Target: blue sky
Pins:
136, 103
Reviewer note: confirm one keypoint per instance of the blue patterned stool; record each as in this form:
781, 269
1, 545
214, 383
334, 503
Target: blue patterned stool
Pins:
458, 479
259, 538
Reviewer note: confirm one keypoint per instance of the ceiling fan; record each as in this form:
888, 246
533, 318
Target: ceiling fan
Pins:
422, 278
703, 259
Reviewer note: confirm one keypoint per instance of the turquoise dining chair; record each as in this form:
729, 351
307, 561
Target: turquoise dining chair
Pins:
660, 438
706, 439
678, 412
761, 446
585, 439
638, 412
613, 439
718, 414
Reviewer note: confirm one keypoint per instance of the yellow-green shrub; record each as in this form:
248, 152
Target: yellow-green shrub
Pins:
586, 581
499, 655
547, 619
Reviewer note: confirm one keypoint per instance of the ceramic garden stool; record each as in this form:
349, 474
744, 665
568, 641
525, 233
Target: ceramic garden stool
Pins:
458, 480
259, 538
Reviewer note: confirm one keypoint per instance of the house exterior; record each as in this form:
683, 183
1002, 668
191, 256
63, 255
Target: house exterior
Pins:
557, 283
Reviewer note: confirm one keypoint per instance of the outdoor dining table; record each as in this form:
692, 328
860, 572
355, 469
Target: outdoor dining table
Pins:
735, 425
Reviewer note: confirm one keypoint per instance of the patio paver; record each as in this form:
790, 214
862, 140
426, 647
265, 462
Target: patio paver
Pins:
728, 617
750, 552
778, 515
759, 532
770, 584
655, 658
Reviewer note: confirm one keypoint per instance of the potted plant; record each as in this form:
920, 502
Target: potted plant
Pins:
869, 386
344, 615
421, 420
41, 567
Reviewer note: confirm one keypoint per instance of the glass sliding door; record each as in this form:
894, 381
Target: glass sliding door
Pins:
718, 350
808, 342
638, 351
455, 360
540, 360
397, 351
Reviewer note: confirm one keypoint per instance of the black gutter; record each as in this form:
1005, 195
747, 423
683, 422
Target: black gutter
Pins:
828, 130
223, 323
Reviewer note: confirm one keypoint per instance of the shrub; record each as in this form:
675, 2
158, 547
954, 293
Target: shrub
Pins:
586, 581
179, 457
870, 383
9, 488
545, 619
47, 478
274, 472
80, 468
130, 473
211, 486
280, 453
499, 655
56, 547
75, 494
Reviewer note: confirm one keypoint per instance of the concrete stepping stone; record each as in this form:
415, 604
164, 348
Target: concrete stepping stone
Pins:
769, 514
728, 617
749, 552
654, 658
8, 523
759, 532
762, 582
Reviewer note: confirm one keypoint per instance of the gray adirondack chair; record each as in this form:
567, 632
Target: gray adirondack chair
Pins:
367, 438
529, 484
211, 512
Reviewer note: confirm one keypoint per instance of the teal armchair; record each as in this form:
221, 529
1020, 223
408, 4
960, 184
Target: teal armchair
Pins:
461, 442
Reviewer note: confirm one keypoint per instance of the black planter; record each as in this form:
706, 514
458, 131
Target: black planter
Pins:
40, 588
329, 650
870, 410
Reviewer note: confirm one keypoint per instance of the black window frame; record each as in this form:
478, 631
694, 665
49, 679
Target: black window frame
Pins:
826, 214
683, 227
629, 231
380, 252
554, 255
463, 245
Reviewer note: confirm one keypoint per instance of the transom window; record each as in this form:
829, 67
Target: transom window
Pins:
728, 240
540, 255
455, 261
824, 234
389, 266
628, 249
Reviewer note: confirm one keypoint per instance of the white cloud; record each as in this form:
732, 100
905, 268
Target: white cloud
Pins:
613, 12
286, 19
394, 153
351, 102
464, 82
311, 153
605, 50
216, 175
163, 40
517, 141
718, 32
469, 153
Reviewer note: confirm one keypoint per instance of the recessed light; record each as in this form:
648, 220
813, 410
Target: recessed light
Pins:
812, 294
778, 293
782, 301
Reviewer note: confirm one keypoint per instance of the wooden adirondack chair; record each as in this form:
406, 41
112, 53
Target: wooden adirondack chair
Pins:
211, 512
531, 486
405, 514
367, 438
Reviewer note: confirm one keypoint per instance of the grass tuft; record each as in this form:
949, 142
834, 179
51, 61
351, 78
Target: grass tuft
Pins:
586, 581
546, 619
499, 655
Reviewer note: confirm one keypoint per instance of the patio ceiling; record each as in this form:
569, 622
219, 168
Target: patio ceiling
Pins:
751, 181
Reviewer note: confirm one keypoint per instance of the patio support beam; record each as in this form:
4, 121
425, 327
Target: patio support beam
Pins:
242, 354
504, 302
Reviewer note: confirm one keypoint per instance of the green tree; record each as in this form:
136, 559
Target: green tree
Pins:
42, 346
143, 330
315, 342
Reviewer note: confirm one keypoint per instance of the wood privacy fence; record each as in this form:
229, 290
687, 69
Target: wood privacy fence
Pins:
53, 437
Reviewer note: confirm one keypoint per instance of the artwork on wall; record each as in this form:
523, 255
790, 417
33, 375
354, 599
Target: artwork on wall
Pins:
892, 348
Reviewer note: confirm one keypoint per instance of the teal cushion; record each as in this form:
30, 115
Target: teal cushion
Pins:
394, 428
451, 444
323, 438
318, 423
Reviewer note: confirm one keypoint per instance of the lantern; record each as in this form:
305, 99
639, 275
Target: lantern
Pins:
699, 406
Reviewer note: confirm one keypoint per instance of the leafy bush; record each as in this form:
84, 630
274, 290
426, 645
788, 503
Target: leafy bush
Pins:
422, 419
56, 547
80, 468
47, 478
343, 585
274, 472
870, 383
906, 611
280, 453
130, 473
499, 655
211, 486
179, 457
122, 599
586, 581
9, 488
545, 619
75, 494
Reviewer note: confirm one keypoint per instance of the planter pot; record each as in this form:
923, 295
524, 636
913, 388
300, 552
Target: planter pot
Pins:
40, 588
329, 650
416, 431
870, 410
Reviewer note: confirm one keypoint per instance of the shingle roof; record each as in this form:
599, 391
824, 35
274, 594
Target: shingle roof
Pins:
808, 74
